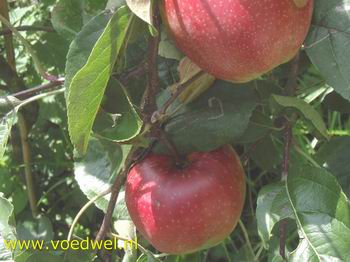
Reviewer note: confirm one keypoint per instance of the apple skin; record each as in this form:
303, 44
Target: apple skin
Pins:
182, 210
238, 40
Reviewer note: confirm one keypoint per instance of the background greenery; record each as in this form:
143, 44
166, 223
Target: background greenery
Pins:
312, 201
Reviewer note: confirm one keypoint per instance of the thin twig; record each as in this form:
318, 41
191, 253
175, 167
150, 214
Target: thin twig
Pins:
226, 252
286, 157
27, 164
7, 31
290, 90
119, 181
287, 133
41, 96
40, 88
135, 72
261, 248
132, 157
283, 236
83, 209
149, 105
292, 83
246, 236
111, 204
158, 115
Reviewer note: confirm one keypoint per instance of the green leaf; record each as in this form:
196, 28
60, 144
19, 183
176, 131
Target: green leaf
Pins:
44, 257
23, 256
79, 256
6, 124
148, 258
83, 44
142, 258
120, 122
272, 206
217, 117
88, 85
5, 254
66, 18
19, 198
314, 199
96, 172
334, 156
260, 125
274, 250
304, 109
272, 160
322, 212
304, 252
91, 8
126, 229
328, 41
55, 61
55, 256
336, 102
8, 183
40, 228
243, 254
12, 187
7, 231
8, 103
115, 4
167, 48
274, 144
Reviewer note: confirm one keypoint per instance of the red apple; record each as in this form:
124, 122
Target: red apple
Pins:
238, 40
182, 210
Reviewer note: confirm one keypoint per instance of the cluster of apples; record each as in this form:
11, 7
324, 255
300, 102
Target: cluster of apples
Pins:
182, 210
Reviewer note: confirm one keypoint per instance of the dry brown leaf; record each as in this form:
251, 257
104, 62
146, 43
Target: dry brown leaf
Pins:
187, 69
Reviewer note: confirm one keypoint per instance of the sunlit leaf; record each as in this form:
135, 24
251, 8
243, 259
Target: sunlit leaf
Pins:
88, 85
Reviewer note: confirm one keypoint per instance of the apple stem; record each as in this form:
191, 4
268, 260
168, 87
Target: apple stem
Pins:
180, 161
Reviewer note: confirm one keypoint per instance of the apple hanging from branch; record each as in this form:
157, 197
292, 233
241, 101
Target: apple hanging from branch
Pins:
238, 40
184, 209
